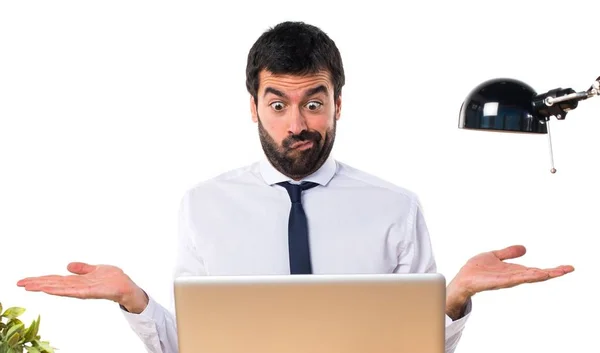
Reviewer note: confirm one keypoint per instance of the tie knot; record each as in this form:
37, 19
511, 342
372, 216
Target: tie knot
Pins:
295, 190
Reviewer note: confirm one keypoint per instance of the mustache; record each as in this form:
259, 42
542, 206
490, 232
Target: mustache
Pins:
305, 135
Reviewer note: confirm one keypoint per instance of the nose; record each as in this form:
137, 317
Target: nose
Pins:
297, 122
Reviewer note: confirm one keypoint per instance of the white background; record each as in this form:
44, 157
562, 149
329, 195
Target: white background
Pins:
111, 110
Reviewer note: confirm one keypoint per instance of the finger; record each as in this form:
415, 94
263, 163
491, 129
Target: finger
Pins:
81, 292
40, 279
55, 281
533, 275
560, 270
567, 268
80, 268
529, 276
510, 252
547, 273
36, 285
73, 286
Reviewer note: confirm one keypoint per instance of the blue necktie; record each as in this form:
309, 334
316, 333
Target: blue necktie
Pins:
298, 243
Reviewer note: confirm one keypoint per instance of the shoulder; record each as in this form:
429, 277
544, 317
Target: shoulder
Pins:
350, 175
245, 175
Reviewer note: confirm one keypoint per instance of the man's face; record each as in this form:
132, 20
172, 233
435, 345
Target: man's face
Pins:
296, 118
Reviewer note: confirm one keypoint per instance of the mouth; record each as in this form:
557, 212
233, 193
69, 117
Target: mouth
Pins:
301, 146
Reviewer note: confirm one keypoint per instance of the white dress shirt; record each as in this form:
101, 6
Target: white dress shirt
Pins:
237, 224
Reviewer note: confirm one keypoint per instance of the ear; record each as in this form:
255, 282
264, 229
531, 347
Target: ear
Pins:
338, 108
253, 109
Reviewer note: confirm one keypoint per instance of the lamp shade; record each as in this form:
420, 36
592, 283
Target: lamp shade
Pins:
501, 104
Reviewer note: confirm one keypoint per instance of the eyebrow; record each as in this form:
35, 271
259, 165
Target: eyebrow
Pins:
315, 90
275, 92
310, 92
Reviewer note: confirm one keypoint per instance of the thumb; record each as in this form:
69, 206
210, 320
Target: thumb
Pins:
80, 268
510, 252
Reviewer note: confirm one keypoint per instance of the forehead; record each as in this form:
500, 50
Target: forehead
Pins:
294, 85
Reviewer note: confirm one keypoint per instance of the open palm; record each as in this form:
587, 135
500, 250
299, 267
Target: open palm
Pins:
87, 282
488, 271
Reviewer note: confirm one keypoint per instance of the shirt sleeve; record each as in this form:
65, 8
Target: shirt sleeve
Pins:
156, 326
416, 256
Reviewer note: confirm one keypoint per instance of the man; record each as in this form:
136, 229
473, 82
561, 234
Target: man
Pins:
239, 223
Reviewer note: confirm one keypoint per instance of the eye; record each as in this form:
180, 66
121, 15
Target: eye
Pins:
278, 106
313, 105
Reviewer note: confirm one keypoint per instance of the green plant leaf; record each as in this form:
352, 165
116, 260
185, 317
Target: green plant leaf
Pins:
18, 328
32, 349
45, 347
32, 330
14, 334
13, 340
0, 308
13, 312
12, 323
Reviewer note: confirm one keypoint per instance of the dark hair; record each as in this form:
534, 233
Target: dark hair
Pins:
294, 48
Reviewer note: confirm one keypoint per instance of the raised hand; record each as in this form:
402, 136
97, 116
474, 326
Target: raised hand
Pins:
91, 282
488, 271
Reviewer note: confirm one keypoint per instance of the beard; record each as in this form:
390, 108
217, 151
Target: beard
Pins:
298, 164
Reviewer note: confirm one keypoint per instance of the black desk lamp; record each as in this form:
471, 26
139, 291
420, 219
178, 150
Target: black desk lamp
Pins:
509, 105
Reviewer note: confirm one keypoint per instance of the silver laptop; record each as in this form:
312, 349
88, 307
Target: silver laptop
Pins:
388, 313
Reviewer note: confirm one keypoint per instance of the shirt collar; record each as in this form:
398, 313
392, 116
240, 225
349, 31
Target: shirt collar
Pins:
322, 176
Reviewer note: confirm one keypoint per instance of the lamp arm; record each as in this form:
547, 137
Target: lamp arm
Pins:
559, 101
578, 96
